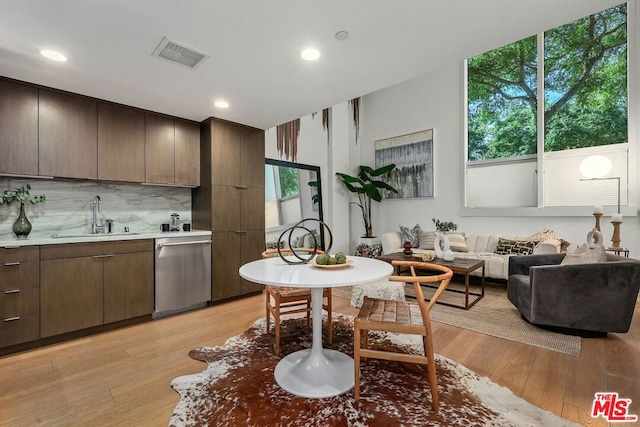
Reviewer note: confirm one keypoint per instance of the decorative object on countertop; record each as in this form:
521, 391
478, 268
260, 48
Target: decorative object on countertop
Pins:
22, 225
594, 238
312, 254
367, 188
407, 249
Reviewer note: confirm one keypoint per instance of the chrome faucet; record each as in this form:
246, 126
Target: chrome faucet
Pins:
97, 227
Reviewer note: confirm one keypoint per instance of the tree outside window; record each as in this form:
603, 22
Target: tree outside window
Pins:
289, 185
585, 90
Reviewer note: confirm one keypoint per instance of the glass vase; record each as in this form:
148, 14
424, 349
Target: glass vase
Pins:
22, 226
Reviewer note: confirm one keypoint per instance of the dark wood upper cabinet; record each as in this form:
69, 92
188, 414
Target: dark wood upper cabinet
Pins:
160, 149
187, 153
121, 143
18, 129
68, 135
226, 146
252, 158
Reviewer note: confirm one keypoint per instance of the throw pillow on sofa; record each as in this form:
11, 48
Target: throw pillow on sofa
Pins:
457, 242
518, 247
411, 235
427, 239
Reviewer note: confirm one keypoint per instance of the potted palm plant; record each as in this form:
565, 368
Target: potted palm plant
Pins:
367, 188
22, 226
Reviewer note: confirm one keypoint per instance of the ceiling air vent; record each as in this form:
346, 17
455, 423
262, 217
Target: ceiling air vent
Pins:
180, 54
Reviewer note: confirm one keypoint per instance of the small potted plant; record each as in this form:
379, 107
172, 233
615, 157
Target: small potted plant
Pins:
441, 243
444, 226
22, 226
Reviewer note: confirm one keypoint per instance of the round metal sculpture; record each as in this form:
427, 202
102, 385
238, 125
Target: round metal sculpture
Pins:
303, 260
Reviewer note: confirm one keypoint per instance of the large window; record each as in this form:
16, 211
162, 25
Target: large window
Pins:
542, 104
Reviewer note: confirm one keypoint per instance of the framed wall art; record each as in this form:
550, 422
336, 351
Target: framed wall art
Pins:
413, 157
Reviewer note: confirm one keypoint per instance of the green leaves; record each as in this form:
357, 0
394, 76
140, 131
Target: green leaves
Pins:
585, 90
20, 195
444, 226
367, 189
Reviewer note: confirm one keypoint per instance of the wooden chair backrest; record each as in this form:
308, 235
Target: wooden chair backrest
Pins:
443, 278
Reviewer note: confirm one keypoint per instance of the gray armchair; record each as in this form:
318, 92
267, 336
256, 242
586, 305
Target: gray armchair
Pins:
583, 299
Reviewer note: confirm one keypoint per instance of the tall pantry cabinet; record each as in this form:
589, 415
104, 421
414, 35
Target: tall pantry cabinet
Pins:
230, 202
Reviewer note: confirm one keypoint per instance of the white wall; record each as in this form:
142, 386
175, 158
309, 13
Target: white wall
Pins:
436, 101
324, 148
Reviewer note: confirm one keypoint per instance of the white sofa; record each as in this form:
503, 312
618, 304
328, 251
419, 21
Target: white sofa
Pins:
478, 247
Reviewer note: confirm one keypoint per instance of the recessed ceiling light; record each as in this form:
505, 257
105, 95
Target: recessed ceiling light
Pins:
54, 56
342, 35
310, 54
221, 104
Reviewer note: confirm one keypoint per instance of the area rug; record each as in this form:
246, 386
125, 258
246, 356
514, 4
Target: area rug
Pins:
238, 388
494, 315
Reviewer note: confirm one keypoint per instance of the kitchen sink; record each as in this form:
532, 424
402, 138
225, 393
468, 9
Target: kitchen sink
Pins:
73, 236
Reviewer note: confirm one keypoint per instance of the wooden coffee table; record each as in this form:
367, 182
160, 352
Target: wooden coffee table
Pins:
458, 266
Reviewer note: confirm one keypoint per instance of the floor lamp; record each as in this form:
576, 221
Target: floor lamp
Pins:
594, 168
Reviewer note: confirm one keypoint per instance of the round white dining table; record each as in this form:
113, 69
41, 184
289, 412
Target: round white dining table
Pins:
316, 372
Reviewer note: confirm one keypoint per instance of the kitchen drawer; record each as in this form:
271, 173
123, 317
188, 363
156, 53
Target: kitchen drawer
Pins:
19, 275
78, 250
21, 253
19, 330
19, 303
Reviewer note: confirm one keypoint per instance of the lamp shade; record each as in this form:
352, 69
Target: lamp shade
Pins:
596, 166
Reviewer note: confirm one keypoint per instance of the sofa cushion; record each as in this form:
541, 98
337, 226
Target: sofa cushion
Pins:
584, 255
457, 242
482, 243
427, 238
520, 247
411, 235
370, 251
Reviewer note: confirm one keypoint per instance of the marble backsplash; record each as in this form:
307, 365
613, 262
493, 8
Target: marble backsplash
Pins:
69, 204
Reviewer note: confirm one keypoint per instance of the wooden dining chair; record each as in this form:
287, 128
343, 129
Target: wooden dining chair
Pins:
283, 300
404, 318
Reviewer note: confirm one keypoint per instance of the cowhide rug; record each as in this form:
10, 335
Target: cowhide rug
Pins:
238, 388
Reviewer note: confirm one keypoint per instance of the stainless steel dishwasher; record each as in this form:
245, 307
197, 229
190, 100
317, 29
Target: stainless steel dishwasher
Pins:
182, 274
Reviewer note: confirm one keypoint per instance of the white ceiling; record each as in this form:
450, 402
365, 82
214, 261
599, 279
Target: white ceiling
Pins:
254, 47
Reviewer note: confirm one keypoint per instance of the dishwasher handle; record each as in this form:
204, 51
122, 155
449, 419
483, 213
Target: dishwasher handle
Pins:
196, 242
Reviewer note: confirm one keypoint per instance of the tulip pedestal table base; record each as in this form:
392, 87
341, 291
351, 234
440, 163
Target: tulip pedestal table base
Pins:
317, 372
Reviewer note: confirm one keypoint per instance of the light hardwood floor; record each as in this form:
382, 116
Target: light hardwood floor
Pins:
123, 377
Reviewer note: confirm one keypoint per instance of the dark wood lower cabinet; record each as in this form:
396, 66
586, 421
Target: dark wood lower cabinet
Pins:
71, 295
230, 250
128, 286
19, 295
87, 285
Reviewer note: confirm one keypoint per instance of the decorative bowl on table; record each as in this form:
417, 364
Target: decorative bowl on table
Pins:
428, 257
331, 266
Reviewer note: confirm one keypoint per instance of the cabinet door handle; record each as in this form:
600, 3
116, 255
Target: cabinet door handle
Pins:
240, 187
103, 256
12, 291
11, 319
9, 264
241, 231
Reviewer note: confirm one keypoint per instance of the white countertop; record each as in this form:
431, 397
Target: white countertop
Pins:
9, 242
